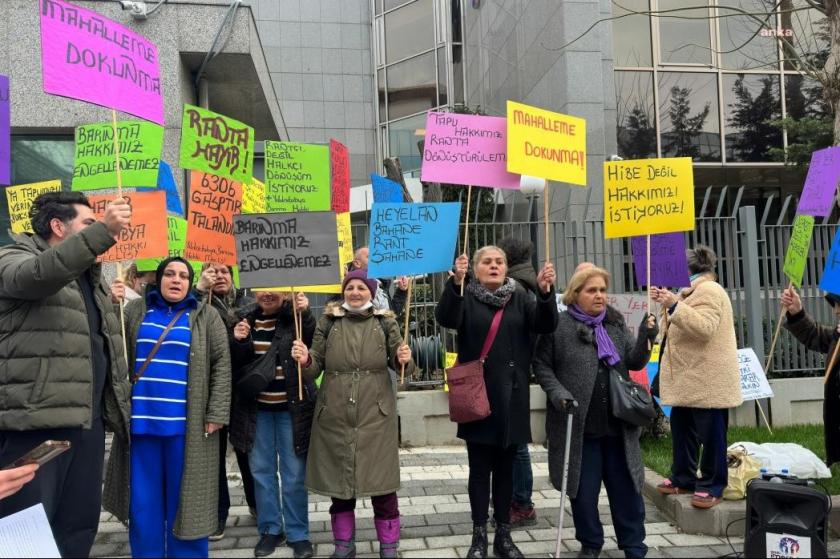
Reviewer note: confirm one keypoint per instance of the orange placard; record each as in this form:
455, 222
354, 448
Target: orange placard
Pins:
146, 236
213, 201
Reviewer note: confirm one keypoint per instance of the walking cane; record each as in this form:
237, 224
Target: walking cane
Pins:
571, 405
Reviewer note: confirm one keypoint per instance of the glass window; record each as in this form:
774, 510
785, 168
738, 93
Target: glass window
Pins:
409, 30
455, 6
403, 136
380, 78
411, 86
745, 43
378, 6
441, 68
688, 115
35, 159
751, 103
631, 34
684, 40
804, 98
389, 4
458, 73
804, 35
636, 131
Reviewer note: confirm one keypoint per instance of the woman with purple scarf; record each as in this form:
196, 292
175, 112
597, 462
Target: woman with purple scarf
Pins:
574, 363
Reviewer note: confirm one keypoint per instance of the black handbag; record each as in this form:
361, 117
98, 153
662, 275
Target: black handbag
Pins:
630, 401
256, 375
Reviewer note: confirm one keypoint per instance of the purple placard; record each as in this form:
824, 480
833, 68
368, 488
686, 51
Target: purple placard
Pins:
821, 183
87, 56
668, 265
466, 149
5, 133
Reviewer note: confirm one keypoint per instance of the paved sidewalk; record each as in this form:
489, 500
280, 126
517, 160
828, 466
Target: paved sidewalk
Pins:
436, 518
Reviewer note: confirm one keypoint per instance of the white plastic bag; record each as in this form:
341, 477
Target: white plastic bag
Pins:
798, 460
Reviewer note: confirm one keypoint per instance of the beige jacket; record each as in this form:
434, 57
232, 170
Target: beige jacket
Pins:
699, 368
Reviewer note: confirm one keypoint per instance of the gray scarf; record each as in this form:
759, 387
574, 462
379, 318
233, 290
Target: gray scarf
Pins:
498, 298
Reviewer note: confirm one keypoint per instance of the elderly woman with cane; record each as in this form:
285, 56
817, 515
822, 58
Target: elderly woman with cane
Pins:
575, 364
354, 448
492, 311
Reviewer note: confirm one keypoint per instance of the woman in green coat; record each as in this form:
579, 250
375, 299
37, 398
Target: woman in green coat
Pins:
354, 449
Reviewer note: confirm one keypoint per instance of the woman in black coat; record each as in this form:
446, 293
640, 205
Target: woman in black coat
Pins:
492, 442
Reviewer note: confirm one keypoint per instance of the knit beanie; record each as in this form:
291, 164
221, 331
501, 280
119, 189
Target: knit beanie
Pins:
360, 274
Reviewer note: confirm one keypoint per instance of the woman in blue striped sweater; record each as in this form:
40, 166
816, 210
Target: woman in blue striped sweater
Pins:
179, 357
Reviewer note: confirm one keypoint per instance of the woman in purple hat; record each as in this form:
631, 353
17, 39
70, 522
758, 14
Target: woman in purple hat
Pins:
354, 448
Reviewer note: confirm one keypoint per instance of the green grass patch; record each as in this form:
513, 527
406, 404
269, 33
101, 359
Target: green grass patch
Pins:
657, 452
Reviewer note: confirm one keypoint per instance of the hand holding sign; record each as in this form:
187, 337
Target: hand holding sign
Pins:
301, 302
663, 296
300, 352
462, 264
404, 355
546, 277
791, 300
117, 216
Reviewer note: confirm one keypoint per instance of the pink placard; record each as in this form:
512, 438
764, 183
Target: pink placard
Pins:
466, 149
87, 56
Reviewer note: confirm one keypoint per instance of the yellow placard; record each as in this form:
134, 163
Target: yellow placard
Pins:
449, 361
654, 354
648, 196
345, 256
546, 144
20, 199
253, 197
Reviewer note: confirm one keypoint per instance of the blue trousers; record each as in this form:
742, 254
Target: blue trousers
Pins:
603, 459
523, 477
157, 464
691, 427
274, 450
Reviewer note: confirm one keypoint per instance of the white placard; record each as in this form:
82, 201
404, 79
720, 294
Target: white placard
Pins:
632, 306
754, 385
787, 546
27, 534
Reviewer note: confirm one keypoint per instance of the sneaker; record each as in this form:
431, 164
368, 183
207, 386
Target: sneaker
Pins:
268, 543
522, 515
703, 500
668, 488
218, 534
302, 549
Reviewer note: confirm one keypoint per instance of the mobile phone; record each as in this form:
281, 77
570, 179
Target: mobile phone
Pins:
41, 454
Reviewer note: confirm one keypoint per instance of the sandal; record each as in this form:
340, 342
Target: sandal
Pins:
667, 487
704, 500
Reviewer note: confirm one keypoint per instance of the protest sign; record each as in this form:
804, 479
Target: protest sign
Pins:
213, 202
87, 56
5, 132
146, 236
385, 191
652, 371
817, 197
466, 149
345, 256
797, 252
297, 177
166, 182
545, 144
216, 144
409, 239
20, 198
253, 197
140, 145
176, 233
340, 167
648, 196
295, 248
754, 385
668, 264
830, 281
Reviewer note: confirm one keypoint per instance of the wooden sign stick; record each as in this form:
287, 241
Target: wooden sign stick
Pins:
466, 234
831, 362
546, 205
647, 263
298, 336
405, 331
775, 337
119, 195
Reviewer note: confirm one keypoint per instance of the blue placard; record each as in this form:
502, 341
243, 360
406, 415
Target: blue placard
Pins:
385, 191
652, 371
166, 182
830, 281
408, 239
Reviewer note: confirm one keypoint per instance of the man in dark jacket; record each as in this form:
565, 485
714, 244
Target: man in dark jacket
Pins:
63, 374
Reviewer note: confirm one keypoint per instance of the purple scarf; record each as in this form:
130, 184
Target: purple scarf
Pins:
605, 345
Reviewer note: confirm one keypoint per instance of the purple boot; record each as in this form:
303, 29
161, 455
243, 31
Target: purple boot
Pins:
388, 533
344, 534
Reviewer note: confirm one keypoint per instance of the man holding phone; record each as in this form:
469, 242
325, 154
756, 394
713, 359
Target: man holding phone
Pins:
64, 376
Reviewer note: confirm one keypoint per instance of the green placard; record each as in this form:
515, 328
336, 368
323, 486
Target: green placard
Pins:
297, 177
797, 252
216, 144
140, 144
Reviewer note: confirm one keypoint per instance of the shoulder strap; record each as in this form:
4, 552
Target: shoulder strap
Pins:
491, 334
155, 349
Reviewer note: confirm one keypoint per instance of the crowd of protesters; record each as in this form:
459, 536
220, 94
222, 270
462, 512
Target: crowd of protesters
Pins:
196, 363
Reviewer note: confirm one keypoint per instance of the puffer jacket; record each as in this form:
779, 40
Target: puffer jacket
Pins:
208, 401
46, 370
354, 449
243, 419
